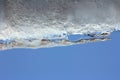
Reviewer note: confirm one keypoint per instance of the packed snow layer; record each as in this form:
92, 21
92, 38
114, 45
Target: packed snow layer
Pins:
48, 23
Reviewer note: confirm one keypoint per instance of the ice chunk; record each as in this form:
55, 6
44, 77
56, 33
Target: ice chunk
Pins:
49, 23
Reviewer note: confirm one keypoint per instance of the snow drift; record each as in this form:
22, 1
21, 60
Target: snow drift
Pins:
49, 23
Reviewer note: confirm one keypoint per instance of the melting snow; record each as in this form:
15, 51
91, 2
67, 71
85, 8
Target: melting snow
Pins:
50, 23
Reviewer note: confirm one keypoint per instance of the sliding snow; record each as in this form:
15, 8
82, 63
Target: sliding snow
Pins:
49, 23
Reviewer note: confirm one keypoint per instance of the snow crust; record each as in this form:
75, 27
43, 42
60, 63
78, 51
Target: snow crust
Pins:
48, 23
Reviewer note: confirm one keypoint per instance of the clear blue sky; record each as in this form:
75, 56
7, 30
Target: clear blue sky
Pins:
93, 61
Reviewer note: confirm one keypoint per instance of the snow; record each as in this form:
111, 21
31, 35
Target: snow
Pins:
48, 23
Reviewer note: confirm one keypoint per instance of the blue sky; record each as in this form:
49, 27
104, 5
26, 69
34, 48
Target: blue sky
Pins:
93, 61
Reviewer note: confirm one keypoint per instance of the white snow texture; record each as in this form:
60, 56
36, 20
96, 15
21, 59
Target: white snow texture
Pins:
48, 23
